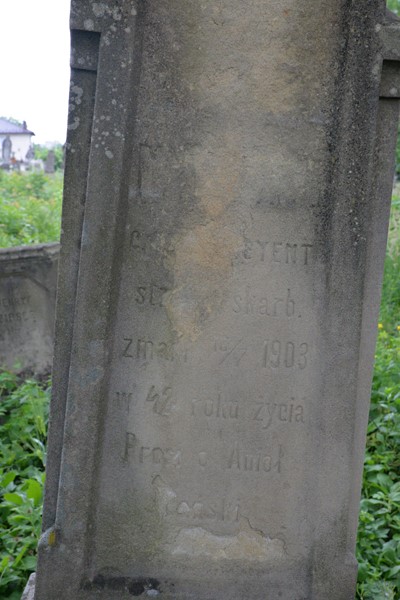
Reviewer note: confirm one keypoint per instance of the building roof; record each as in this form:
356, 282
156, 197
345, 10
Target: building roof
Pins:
11, 128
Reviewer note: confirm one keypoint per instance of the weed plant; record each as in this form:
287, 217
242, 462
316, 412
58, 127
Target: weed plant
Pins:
378, 547
23, 422
30, 208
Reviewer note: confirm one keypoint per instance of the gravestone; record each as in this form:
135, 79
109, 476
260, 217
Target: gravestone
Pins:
227, 191
49, 165
6, 147
28, 279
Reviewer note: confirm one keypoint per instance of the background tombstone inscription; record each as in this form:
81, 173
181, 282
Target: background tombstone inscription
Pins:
28, 278
224, 236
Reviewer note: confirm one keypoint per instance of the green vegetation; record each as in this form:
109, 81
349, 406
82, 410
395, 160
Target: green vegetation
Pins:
23, 419
394, 5
378, 548
30, 208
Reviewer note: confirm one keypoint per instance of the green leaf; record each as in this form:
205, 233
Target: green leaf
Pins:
7, 479
389, 555
21, 554
4, 562
394, 571
14, 498
385, 481
29, 563
362, 571
34, 491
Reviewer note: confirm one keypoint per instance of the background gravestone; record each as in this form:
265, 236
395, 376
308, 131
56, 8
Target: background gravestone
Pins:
228, 177
49, 165
6, 147
28, 278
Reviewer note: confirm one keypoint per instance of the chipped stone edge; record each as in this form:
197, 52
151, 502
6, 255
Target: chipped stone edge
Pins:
29, 591
34, 251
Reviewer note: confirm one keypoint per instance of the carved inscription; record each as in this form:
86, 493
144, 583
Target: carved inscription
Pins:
268, 305
238, 459
230, 350
218, 408
138, 454
222, 417
14, 302
221, 510
13, 313
284, 412
147, 350
150, 295
162, 400
198, 509
13, 320
284, 253
285, 354
275, 353
241, 460
263, 411
275, 251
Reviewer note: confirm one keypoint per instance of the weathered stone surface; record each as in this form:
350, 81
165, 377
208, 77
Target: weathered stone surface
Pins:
228, 178
28, 279
29, 591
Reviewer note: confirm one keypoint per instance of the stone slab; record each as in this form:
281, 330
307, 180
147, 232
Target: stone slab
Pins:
28, 279
228, 176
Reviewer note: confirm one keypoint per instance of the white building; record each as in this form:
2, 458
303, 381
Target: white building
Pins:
15, 142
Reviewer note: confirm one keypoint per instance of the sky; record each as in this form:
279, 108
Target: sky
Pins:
34, 71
